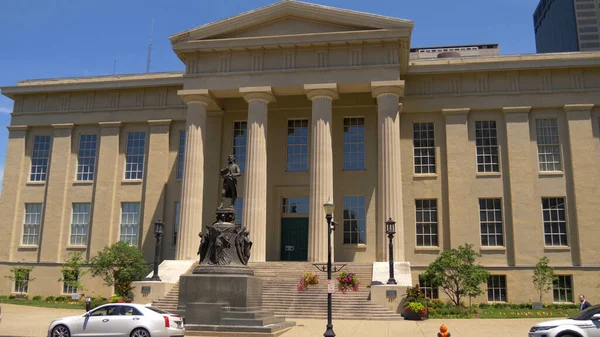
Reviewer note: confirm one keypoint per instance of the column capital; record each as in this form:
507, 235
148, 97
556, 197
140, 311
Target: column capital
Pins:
578, 107
264, 94
110, 124
17, 127
517, 109
456, 112
201, 96
379, 88
327, 90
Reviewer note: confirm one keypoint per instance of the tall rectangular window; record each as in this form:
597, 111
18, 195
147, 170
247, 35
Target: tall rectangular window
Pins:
424, 148
427, 223
427, 289
295, 205
490, 221
31, 225
68, 287
176, 222
354, 143
39, 158
563, 288
86, 157
355, 220
548, 145
80, 224
23, 287
239, 208
130, 219
134, 158
180, 152
297, 145
240, 134
555, 221
496, 288
486, 140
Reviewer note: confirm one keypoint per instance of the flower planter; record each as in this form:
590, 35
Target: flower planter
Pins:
412, 316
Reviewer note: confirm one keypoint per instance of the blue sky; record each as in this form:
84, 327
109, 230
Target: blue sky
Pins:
66, 38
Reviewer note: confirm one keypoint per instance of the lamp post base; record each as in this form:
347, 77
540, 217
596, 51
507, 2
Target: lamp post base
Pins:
391, 281
329, 332
155, 278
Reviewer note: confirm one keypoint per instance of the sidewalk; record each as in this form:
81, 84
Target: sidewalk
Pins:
24, 321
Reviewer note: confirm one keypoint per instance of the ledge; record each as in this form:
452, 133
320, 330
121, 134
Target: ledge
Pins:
425, 176
427, 249
360, 246
488, 174
492, 249
27, 248
132, 182
76, 248
557, 249
551, 174
35, 183
83, 182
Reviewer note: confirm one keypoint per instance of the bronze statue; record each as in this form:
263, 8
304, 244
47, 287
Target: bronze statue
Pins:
230, 174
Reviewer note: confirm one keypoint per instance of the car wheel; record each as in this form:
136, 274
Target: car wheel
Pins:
140, 333
61, 331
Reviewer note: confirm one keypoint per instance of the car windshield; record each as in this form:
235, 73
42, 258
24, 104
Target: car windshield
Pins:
160, 311
587, 313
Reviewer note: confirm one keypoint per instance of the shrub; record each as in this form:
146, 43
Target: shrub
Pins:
50, 299
37, 298
436, 303
120, 299
119, 265
414, 294
61, 299
98, 301
72, 271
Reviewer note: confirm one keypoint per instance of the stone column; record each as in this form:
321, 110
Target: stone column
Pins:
15, 174
389, 176
255, 190
321, 167
57, 209
583, 171
192, 190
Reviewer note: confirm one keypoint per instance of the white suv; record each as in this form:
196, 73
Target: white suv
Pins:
583, 324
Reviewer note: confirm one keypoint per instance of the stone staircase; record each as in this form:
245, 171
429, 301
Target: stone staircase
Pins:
281, 297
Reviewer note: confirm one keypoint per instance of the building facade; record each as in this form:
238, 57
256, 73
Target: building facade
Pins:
500, 152
567, 26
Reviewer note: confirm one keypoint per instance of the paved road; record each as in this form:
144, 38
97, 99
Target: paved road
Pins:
23, 321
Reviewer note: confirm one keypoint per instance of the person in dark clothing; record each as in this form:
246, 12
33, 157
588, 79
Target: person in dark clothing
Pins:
584, 303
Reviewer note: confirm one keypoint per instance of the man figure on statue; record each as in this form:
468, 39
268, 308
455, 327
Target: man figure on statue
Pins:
230, 174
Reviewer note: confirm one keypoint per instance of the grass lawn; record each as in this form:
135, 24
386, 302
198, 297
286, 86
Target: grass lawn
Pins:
44, 304
526, 313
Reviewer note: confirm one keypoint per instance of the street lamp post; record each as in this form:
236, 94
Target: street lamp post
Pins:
159, 229
328, 207
390, 230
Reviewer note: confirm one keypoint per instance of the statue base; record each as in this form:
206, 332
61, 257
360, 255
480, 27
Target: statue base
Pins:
225, 300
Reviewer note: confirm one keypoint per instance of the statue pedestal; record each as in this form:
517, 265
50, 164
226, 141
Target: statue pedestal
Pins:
222, 300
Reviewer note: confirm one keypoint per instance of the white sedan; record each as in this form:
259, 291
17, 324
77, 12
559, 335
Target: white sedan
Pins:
584, 324
119, 320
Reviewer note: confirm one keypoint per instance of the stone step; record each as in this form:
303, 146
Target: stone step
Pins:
251, 322
247, 314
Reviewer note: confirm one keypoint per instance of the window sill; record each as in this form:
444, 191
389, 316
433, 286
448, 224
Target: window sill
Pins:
427, 249
493, 249
83, 182
557, 248
36, 183
27, 248
489, 175
551, 174
76, 248
354, 246
425, 176
132, 182
354, 170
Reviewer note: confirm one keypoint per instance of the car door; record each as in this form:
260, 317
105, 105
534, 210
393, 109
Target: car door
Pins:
100, 322
124, 319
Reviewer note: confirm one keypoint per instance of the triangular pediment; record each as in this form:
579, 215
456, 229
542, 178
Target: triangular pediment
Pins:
291, 18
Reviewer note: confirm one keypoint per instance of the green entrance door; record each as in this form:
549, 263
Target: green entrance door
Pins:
294, 239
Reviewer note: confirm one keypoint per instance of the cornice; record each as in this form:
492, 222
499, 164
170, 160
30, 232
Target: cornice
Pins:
115, 124
17, 127
456, 112
518, 109
63, 126
157, 122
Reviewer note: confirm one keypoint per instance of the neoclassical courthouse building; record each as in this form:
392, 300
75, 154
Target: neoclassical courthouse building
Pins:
457, 145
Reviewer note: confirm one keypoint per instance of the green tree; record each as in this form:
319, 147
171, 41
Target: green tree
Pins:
73, 270
119, 265
543, 277
456, 272
21, 276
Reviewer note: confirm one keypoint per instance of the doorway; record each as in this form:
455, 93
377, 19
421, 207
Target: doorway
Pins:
294, 239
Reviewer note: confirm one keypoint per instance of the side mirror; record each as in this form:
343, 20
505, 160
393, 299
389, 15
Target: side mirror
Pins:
87, 314
596, 317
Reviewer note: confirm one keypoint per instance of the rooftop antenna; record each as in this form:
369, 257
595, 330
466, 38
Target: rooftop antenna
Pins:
114, 66
149, 56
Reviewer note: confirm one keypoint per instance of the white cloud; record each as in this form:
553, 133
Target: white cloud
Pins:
5, 110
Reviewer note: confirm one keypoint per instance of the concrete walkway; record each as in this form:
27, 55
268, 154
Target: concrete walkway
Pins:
24, 321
